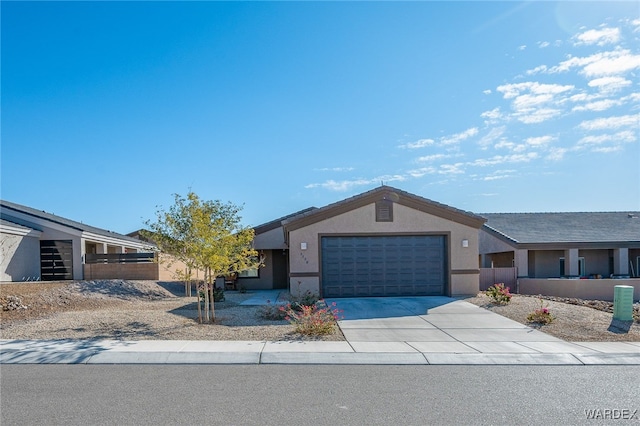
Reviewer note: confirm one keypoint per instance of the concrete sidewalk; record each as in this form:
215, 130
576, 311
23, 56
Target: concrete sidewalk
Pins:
255, 352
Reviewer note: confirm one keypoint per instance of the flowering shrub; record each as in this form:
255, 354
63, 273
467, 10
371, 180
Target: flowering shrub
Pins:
306, 299
314, 320
499, 294
541, 315
272, 311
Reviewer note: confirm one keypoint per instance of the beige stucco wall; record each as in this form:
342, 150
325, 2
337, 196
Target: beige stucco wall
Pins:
582, 289
123, 271
463, 261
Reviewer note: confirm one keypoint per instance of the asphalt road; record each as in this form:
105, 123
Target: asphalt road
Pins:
318, 395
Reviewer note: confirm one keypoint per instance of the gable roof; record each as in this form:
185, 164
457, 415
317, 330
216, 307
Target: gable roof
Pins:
8, 210
579, 227
389, 193
276, 223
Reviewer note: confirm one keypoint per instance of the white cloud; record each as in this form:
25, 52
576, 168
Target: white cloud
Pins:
493, 135
613, 122
522, 47
607, 149
617, 138
536, 70
543, 44
487, 92
492, 116
614, 62
599, 37
459, 137
421, 143
335, 169
602, 105
540, 141
535, 116
501, 159
584, 97
556, 154
345, 185
434, 157
417, 173
451, 169
609, 84
511, 91
514, 147
534, 102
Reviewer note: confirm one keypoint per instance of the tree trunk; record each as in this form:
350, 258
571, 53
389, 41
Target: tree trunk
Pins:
198, 298
213, 301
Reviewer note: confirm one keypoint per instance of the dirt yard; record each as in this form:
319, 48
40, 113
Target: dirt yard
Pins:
132, 310
149, 310
575, 320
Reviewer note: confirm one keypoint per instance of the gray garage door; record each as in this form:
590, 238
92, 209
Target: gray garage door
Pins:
413, 265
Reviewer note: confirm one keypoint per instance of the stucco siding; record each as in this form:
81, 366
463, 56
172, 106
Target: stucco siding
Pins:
272, 239
582, 289
20, 257
264, 280
305, 263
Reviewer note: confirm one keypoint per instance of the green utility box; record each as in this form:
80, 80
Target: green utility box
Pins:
623, 303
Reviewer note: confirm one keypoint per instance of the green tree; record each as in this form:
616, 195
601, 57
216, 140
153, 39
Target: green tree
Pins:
207, 236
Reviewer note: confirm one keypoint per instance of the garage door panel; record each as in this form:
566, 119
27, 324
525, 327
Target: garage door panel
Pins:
383, 266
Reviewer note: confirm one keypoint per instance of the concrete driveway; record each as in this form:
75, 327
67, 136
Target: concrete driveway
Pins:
434, 324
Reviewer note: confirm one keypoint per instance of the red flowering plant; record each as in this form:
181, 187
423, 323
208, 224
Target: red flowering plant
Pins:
541, 315
313, 320
499, 294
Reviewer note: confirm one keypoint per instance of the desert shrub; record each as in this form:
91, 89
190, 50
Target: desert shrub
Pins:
541, 315
305, 299
499, 294
314, 320
273, 312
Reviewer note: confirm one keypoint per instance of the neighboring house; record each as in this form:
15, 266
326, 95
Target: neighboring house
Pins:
548, 248
384, 242
554, 245
36, 245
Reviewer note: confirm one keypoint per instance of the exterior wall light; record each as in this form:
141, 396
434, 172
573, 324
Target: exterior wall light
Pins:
465, 243
303, 246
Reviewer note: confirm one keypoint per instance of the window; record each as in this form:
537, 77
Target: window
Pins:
384, 211
581, 267
249, 273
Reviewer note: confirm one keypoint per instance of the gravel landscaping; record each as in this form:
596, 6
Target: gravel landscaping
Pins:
133, 310
150, 310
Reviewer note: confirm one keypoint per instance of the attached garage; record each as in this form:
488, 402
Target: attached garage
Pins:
385, 242
389, 265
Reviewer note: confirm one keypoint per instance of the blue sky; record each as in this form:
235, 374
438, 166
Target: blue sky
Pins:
109, 108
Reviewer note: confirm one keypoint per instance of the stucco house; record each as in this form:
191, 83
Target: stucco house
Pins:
551, 250
36, 245
384, 242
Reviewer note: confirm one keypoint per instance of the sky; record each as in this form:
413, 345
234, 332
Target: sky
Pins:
110, 108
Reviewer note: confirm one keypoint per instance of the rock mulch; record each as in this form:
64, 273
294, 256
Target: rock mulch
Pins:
575, 320
133, 310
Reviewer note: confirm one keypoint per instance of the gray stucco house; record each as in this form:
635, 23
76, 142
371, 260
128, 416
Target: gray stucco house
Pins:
37, 245
384, 242
582, 255
554, 245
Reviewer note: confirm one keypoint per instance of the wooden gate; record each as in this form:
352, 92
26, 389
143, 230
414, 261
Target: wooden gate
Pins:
491, 276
